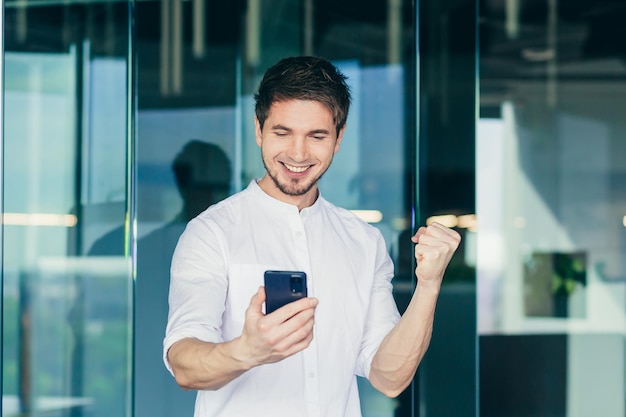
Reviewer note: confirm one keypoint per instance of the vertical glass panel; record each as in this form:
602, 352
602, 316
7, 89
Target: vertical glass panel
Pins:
186, 161
199, 64
550, 195
66, 306
447, 108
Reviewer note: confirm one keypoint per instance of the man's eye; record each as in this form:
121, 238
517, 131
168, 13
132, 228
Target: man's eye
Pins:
319, 137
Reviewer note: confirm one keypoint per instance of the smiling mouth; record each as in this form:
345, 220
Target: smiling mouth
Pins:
295, 169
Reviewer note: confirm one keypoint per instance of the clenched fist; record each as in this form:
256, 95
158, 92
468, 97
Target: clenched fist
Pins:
435, 245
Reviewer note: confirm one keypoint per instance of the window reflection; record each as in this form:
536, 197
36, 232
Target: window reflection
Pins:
202, 173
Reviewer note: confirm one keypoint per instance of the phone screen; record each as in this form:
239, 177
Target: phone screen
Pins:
282, 287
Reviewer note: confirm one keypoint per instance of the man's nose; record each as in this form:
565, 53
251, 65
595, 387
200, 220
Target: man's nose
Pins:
298, 149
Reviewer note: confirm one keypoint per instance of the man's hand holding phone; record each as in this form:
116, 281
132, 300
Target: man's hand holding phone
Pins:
269, 338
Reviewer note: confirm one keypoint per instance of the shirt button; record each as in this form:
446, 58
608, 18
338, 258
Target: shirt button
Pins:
311, 374
298, 234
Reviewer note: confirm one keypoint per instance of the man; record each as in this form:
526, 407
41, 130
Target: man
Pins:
302, 359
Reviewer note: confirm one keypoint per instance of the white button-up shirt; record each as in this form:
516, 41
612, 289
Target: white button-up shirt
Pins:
218, 266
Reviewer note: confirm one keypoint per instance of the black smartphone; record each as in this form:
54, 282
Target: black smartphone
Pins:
282, 287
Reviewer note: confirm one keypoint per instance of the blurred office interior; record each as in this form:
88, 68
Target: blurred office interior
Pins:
122, 119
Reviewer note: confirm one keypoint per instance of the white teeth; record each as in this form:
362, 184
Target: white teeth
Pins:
296, 169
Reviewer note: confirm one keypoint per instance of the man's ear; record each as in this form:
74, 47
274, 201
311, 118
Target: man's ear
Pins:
257, 131
339, 138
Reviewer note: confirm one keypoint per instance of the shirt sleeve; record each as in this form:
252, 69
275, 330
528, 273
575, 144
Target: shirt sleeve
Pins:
198, 285
383, 313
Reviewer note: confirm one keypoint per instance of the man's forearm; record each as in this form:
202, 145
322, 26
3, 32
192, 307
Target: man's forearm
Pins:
400, 353
265, 339
202, 365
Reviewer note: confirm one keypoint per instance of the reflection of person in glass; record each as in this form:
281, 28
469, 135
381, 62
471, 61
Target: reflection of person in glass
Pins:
303, 358
203, 176
202, 172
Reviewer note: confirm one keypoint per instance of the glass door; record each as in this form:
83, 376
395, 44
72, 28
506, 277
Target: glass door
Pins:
67, 288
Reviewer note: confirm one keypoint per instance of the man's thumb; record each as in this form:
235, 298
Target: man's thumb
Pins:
256, 303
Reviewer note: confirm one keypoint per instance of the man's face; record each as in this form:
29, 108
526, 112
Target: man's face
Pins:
298, 141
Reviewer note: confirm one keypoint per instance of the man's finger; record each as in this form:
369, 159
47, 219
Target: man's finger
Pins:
294, 332
291, 309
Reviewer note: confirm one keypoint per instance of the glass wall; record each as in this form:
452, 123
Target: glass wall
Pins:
125, 119
67, 305
550, 158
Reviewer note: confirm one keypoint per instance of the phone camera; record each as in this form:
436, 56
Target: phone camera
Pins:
296, 285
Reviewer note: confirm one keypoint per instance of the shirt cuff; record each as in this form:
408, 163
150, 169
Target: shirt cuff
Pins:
200, 334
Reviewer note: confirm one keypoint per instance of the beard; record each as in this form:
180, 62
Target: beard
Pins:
293, 187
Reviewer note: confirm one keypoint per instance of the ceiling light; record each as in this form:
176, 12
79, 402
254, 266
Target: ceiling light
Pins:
370, 216
538, 54
39, 219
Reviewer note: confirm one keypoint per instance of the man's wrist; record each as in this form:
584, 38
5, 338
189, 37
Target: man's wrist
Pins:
428, 287
240, 354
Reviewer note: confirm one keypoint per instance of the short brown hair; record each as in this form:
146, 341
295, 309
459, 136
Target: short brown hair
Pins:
304, 78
